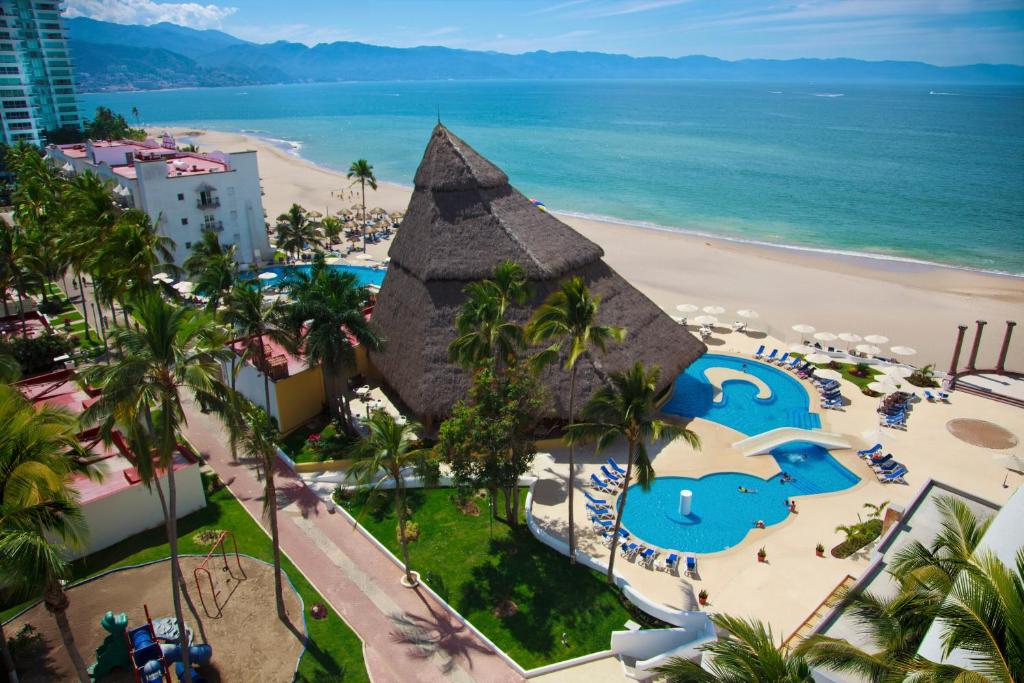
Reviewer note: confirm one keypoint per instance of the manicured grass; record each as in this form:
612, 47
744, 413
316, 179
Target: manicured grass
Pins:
845, 368
478, 572
334, 652
331, 446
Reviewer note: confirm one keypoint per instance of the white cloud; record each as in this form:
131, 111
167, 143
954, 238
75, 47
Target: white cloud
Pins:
146, 12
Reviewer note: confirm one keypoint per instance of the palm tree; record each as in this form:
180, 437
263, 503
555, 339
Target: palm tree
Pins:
389, 448
875, 511
750, 654
212, 267
332, 227
624, 409
258, 437
39, 514
327, 319
295, 231
253, 320
482, 324
12, 271
10, 369
361, 172
569, 317
170, 352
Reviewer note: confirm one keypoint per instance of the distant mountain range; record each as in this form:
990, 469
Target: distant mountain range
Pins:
121, 57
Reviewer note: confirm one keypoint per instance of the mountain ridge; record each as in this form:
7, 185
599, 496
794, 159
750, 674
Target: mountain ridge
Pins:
134, 57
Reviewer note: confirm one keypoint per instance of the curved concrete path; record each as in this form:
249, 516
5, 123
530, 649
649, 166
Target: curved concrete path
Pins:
359, 581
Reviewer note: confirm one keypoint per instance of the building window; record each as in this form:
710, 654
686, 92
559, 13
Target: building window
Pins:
184, 221
181, 197
188, 245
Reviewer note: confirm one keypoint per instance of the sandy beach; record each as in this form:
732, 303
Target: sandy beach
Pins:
913, 304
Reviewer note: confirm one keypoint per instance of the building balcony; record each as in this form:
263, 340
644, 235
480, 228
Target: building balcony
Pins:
214, 226
208, 203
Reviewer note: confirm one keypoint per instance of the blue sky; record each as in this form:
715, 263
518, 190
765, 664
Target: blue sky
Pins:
937, 31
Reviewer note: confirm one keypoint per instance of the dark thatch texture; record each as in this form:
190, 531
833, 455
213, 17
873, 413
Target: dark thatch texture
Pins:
463, 219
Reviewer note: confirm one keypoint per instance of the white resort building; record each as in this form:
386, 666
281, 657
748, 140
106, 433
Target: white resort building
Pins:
184, 193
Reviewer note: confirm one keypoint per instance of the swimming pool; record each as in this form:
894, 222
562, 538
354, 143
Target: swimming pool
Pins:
366, 275
721, 515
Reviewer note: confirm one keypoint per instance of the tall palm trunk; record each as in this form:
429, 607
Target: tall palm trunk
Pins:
271, 493
5, 652
172, 534
400, 510
56, 602
85, 302
264, 361
572, 467
362, 182
7, 310
619, 512
21, 309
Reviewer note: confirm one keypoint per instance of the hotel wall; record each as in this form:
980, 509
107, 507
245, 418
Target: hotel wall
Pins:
134, 509
293, 401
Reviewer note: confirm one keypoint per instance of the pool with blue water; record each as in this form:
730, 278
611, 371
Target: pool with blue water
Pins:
366, 275
722, 514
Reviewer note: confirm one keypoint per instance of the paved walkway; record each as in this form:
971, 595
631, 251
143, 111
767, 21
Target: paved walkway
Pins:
357, 579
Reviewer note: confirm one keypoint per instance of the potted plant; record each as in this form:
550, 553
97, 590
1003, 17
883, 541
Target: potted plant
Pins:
819, 550
762, 554
702, 597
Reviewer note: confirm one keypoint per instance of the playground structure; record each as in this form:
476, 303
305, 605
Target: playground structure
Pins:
141, 651
203, 570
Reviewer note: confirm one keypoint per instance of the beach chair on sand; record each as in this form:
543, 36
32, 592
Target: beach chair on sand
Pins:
691, 565
596, 501
669, 564
612, 477
601, 485
944, 396
615, 466
604, 523
793, 364
930, 396
759, 352
627, 549
783, 359
870, 451
894, 477
647, 556
771, 357
603, 513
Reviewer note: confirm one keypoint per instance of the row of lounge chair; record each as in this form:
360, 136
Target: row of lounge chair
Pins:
602, 515
893, 410
831, 395
886, 468
936, 396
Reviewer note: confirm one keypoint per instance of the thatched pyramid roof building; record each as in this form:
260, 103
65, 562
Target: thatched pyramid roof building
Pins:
463, 219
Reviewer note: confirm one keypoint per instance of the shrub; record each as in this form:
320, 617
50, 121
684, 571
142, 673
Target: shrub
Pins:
51, 306
923, 377
27, 647
36, 354
412, 531
860, 370
857, 536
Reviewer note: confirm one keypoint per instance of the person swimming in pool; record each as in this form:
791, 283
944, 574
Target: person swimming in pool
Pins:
786, 478
744, 489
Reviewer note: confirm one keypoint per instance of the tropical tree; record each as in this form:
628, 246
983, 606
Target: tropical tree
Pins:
12, 271
876, 511
624, 409
258, 437
295, 230
39, 514
212, 267
254, 320
568, 317
748, 655
170, 353
332, 227
390, 448
10, 369
482, 323
328, 321
361, 172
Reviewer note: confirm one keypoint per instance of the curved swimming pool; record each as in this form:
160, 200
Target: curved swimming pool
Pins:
722, 515
366, 275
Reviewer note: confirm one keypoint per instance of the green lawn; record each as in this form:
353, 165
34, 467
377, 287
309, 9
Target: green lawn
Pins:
332, 446
477, 573
90, 344
334, 651
845, 368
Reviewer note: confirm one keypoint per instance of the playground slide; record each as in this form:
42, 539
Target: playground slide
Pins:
773, 438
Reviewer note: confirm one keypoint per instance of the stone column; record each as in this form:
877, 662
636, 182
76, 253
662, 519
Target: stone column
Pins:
977, 343
1000, 366
954, 365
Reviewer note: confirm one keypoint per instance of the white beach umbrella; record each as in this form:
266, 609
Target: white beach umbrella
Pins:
818, 358
897, 371
849, 337
803, 328
748, 313
868, 349
1013, 462
828, 374
687, 308
882, 387
184, 287
903, 350
365, 257
713, 310
876, 339
825, 336
267, 275
679, 319
706, 320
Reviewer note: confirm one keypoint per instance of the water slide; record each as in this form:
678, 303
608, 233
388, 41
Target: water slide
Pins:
773, 438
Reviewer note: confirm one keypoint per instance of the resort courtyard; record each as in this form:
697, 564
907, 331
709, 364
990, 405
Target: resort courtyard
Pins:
790, 585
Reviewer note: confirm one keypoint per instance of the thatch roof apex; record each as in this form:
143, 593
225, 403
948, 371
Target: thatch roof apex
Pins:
464, 217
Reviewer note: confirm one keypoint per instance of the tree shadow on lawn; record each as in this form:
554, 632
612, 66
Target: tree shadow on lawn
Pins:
547, 590
380, 504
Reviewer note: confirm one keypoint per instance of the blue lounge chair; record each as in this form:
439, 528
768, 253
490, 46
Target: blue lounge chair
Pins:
887, 466
612, 477
691, 565
793, 364
759, 352
870, 451
615, 466
670, 563
603, 522
595, 501
782, 360
647, 555
894, 477
873, 462
944, 396
771, 356
600, 484
628, 549
599, 512
930, 396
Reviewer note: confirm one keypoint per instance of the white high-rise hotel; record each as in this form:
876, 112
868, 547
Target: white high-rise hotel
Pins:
184, 193
37, 90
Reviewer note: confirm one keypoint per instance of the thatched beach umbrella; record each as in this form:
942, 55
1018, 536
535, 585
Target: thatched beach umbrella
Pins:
464, 218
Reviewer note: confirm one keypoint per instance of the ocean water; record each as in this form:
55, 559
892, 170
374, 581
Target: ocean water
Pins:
916, 172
